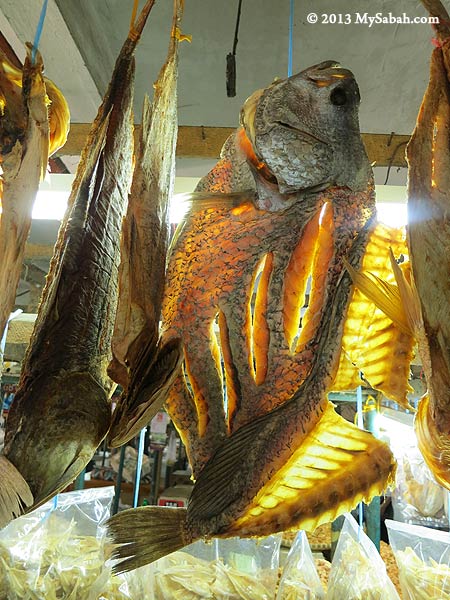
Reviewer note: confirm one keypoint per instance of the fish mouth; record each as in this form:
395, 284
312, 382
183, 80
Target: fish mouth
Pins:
302, 132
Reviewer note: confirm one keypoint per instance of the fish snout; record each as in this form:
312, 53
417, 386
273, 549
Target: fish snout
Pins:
343, 89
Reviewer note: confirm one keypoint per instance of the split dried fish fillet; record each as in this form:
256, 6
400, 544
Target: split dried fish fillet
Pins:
144, 366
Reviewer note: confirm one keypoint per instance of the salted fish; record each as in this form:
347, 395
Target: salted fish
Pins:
428, 157
272, 454
144, 367
34, 123
61, 411
419, 302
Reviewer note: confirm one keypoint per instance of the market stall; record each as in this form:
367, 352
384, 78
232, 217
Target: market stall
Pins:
247, 401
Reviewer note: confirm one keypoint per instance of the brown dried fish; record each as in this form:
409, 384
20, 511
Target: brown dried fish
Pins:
61, 411
273, 454
144, 367
429, 246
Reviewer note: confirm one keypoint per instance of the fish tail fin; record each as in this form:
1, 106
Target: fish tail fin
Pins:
433, 444
15, 494
146, 534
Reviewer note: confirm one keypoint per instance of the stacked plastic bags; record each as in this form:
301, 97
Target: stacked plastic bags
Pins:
59, 552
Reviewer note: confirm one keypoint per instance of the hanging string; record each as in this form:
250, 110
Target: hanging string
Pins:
231, 58
360, 421
291, 37
39, 29
140, 457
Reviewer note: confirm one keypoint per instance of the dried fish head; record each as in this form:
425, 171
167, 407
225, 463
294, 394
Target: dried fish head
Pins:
75, 410
305, 131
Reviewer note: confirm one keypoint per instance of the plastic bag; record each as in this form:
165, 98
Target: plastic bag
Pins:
418, 499
357, 570
57, 549
58, 552
423, 558
229, 569
300, 580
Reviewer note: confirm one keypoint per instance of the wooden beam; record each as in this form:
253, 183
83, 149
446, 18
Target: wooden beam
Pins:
386, 149
206, 142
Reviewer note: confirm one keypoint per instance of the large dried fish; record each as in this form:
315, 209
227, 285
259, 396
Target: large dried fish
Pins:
34, 122
61, 411
144, 368
428, 156
272, 454
419, 302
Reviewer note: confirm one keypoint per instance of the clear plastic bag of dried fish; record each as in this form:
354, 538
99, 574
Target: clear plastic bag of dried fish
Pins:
417, 498
300, 580
423, 559
58, 552
231, 569
357, 571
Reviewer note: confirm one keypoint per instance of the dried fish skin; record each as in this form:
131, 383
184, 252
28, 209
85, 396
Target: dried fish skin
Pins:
64, 382
429, 246
144, 366
29, 133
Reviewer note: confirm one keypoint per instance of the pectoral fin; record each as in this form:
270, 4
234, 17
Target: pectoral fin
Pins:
386, 296
15, 495
147, 392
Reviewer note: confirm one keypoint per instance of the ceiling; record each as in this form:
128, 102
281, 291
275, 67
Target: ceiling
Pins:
81, 39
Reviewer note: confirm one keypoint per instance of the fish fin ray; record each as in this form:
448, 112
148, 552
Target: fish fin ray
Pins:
146, 398
408, 295
145, 534
337, 466
434, 446
15, 494
386, 296
211, 493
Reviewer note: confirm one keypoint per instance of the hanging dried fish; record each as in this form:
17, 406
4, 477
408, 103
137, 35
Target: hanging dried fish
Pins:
61, 411
428, 156
420, 301
144, 367
34, 123
272, 454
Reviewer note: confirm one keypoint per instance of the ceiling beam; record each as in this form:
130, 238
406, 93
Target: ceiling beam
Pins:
205, 142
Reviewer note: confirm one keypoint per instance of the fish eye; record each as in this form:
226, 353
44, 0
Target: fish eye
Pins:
338, 96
